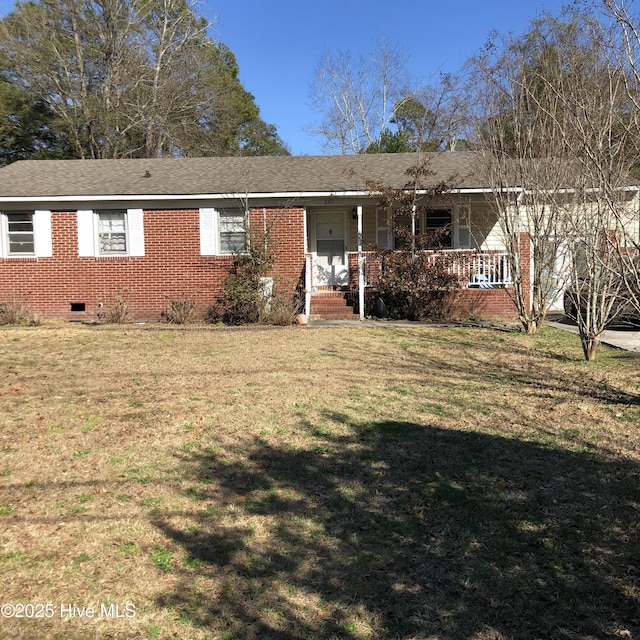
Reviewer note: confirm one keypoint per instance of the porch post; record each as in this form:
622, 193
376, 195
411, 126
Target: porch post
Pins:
360, 265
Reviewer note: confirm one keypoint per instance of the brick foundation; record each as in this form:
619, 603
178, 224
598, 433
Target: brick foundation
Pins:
483, 304
486, 304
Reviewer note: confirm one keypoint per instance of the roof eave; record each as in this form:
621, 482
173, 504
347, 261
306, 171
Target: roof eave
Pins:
285, 195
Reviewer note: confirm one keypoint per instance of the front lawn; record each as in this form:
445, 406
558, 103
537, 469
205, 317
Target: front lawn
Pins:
302, 483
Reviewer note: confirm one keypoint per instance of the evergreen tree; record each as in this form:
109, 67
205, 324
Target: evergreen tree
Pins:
121, 78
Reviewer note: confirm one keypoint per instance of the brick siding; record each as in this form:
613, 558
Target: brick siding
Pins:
171, 269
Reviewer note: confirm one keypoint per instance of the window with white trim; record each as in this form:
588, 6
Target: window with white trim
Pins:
20, 235
439, 221
222, 231
25, 234
431, 221
110, 232
232, 229
402, 230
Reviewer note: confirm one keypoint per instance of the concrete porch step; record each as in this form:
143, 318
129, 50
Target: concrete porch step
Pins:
332, 305
333, 316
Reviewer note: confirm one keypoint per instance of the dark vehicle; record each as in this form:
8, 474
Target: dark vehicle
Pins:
623, 312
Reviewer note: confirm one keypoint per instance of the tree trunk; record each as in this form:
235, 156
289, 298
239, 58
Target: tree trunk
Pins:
589, 347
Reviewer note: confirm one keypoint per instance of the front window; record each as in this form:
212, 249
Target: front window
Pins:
438, 222
233, 233
382, 228
20, 234
402, 231
112, 232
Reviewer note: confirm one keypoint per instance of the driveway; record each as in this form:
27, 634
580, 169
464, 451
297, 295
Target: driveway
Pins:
621, 338
628, 339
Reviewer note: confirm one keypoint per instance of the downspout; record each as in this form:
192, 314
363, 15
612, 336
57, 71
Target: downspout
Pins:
638, 214
413, 232
518, 206
308, 284
360, 265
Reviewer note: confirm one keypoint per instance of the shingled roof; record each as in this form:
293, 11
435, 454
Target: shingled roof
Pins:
224, 175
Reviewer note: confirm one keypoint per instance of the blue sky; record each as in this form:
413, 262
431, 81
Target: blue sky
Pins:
278, 43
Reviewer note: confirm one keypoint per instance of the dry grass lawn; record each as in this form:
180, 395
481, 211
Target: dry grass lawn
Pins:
356, 483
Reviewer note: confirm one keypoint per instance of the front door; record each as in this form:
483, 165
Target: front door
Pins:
556, 282
330, 265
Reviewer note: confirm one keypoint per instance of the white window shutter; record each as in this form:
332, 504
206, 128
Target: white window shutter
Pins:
136, 232
42, 234
208, 232
86, 235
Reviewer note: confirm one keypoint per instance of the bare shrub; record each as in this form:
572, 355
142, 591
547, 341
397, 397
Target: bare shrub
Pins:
180, 311
416, 281
417, 288
13, 312
280, 308
118, 313
247, 290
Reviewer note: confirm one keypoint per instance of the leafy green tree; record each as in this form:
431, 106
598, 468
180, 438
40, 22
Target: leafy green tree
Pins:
123, 78
26, 128
391, 142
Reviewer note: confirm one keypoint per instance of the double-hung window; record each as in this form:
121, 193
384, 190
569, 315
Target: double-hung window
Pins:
112, 232
20, 234
403, 226
233, 233
25, 234
223, 231
439, 222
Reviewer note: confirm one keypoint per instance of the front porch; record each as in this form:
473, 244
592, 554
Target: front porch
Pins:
347, 245
484, 276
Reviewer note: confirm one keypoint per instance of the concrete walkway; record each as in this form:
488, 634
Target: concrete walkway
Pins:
627, 339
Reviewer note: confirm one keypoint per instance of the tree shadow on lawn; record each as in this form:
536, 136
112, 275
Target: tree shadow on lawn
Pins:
401, 530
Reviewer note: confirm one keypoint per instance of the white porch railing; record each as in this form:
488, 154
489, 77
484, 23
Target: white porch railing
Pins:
474, 269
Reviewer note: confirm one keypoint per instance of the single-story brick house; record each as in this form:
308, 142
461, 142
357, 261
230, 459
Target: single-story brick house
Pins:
76, 234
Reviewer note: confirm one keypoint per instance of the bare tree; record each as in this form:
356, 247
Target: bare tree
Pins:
598, 90
362, 101
567, 145
357, 98
435, 116
624, 45
522, 161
